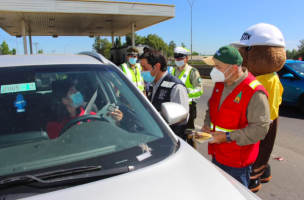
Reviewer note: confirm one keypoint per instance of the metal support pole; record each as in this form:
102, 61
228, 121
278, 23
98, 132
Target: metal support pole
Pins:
65, 47
30, 40
133, 34
191, 5
36, 44
24, 36
112, 37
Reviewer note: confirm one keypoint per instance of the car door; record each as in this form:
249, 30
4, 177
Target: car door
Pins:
289, 84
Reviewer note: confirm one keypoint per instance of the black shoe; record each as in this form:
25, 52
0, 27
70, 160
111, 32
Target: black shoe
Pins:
266, 176
255, 185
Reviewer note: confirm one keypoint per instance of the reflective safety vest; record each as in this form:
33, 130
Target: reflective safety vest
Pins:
193, 93
136, 79
232, 116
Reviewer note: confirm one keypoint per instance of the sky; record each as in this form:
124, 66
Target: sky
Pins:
215, 24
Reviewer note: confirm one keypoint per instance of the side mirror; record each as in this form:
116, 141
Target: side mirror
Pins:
173, 113
288, 76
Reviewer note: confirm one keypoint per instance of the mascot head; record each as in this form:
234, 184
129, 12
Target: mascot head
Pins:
262, 47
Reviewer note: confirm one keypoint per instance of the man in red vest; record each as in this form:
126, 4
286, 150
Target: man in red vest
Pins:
238, 116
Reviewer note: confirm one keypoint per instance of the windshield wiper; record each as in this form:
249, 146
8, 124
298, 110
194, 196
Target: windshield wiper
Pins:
45, 176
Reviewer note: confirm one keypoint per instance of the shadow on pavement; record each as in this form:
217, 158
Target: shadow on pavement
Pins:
291, 112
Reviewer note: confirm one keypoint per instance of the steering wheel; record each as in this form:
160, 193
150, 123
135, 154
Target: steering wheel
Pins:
83, 118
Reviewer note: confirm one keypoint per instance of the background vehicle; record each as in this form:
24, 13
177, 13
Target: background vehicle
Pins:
292, 79
94, 158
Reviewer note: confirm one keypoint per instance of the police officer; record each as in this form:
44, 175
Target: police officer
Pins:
164, 87
193, 81
132, 69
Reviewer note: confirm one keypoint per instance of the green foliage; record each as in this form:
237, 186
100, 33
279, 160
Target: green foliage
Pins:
40, 51
5, 49
102, 46
118, 42
183, 45
301, 46
294, 54
194, 53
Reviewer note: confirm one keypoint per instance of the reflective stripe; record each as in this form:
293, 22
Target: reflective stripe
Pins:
167, 84
127, 71
194, 90
254, 84
217, 128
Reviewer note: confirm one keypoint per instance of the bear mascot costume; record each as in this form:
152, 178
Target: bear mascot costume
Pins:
262, 47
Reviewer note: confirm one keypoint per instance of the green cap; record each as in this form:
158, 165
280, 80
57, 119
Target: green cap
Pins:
226, 54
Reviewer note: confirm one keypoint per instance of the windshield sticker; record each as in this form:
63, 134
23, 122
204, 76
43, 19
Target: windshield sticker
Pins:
20, 103
146, 152
22, 87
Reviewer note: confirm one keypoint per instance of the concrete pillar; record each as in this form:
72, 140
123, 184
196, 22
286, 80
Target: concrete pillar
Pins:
24, 36
31, 44
133, 34
112, 36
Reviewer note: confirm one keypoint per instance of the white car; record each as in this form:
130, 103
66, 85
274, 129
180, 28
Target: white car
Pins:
58, 144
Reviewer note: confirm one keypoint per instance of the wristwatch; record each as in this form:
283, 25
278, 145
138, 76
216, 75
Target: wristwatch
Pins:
228, 137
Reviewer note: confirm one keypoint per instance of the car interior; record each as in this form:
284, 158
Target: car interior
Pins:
30, 125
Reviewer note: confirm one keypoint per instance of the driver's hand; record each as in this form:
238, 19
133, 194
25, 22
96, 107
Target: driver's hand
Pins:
117, 115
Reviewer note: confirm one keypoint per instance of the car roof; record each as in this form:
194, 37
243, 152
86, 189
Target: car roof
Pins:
293, 61
46, 59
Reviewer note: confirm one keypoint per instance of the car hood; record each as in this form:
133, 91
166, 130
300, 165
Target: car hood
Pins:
184, 175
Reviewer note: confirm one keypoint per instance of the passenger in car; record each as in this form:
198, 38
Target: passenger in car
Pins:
66, 106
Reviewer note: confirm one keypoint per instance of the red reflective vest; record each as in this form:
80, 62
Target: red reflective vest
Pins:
232, 116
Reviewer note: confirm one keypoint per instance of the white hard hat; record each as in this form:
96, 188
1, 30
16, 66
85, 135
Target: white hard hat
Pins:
181, 52
261, 35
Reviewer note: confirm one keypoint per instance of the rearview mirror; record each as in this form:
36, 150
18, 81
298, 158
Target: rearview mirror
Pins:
173, 113
288, 76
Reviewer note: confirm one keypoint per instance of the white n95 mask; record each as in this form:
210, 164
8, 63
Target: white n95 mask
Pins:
218, 76
180, 63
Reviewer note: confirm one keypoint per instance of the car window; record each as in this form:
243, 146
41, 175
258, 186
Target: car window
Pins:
298, 67
283, 71
40, 111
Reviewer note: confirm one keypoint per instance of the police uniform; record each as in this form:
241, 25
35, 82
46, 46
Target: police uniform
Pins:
169, 89
193, 81
133, 73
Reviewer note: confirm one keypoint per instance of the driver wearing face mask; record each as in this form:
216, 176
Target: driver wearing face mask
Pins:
67, 101
238, 114
132, 69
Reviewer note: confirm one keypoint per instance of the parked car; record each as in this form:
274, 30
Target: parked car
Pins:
93, 156
292, 79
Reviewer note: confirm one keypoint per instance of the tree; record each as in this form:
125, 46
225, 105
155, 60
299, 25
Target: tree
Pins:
138, 40
40, 51
5, 49
194, 53
13, 51
102, 46
118, 42
288, 54
301, 46
172, 45
183, 45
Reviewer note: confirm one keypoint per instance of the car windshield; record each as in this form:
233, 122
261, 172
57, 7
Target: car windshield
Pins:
298, 67
55, 117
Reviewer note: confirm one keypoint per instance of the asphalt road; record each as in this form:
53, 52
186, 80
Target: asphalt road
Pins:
288, 175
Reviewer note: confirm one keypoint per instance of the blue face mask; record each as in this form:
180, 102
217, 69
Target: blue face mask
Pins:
147, 76
77, 99
132, 61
